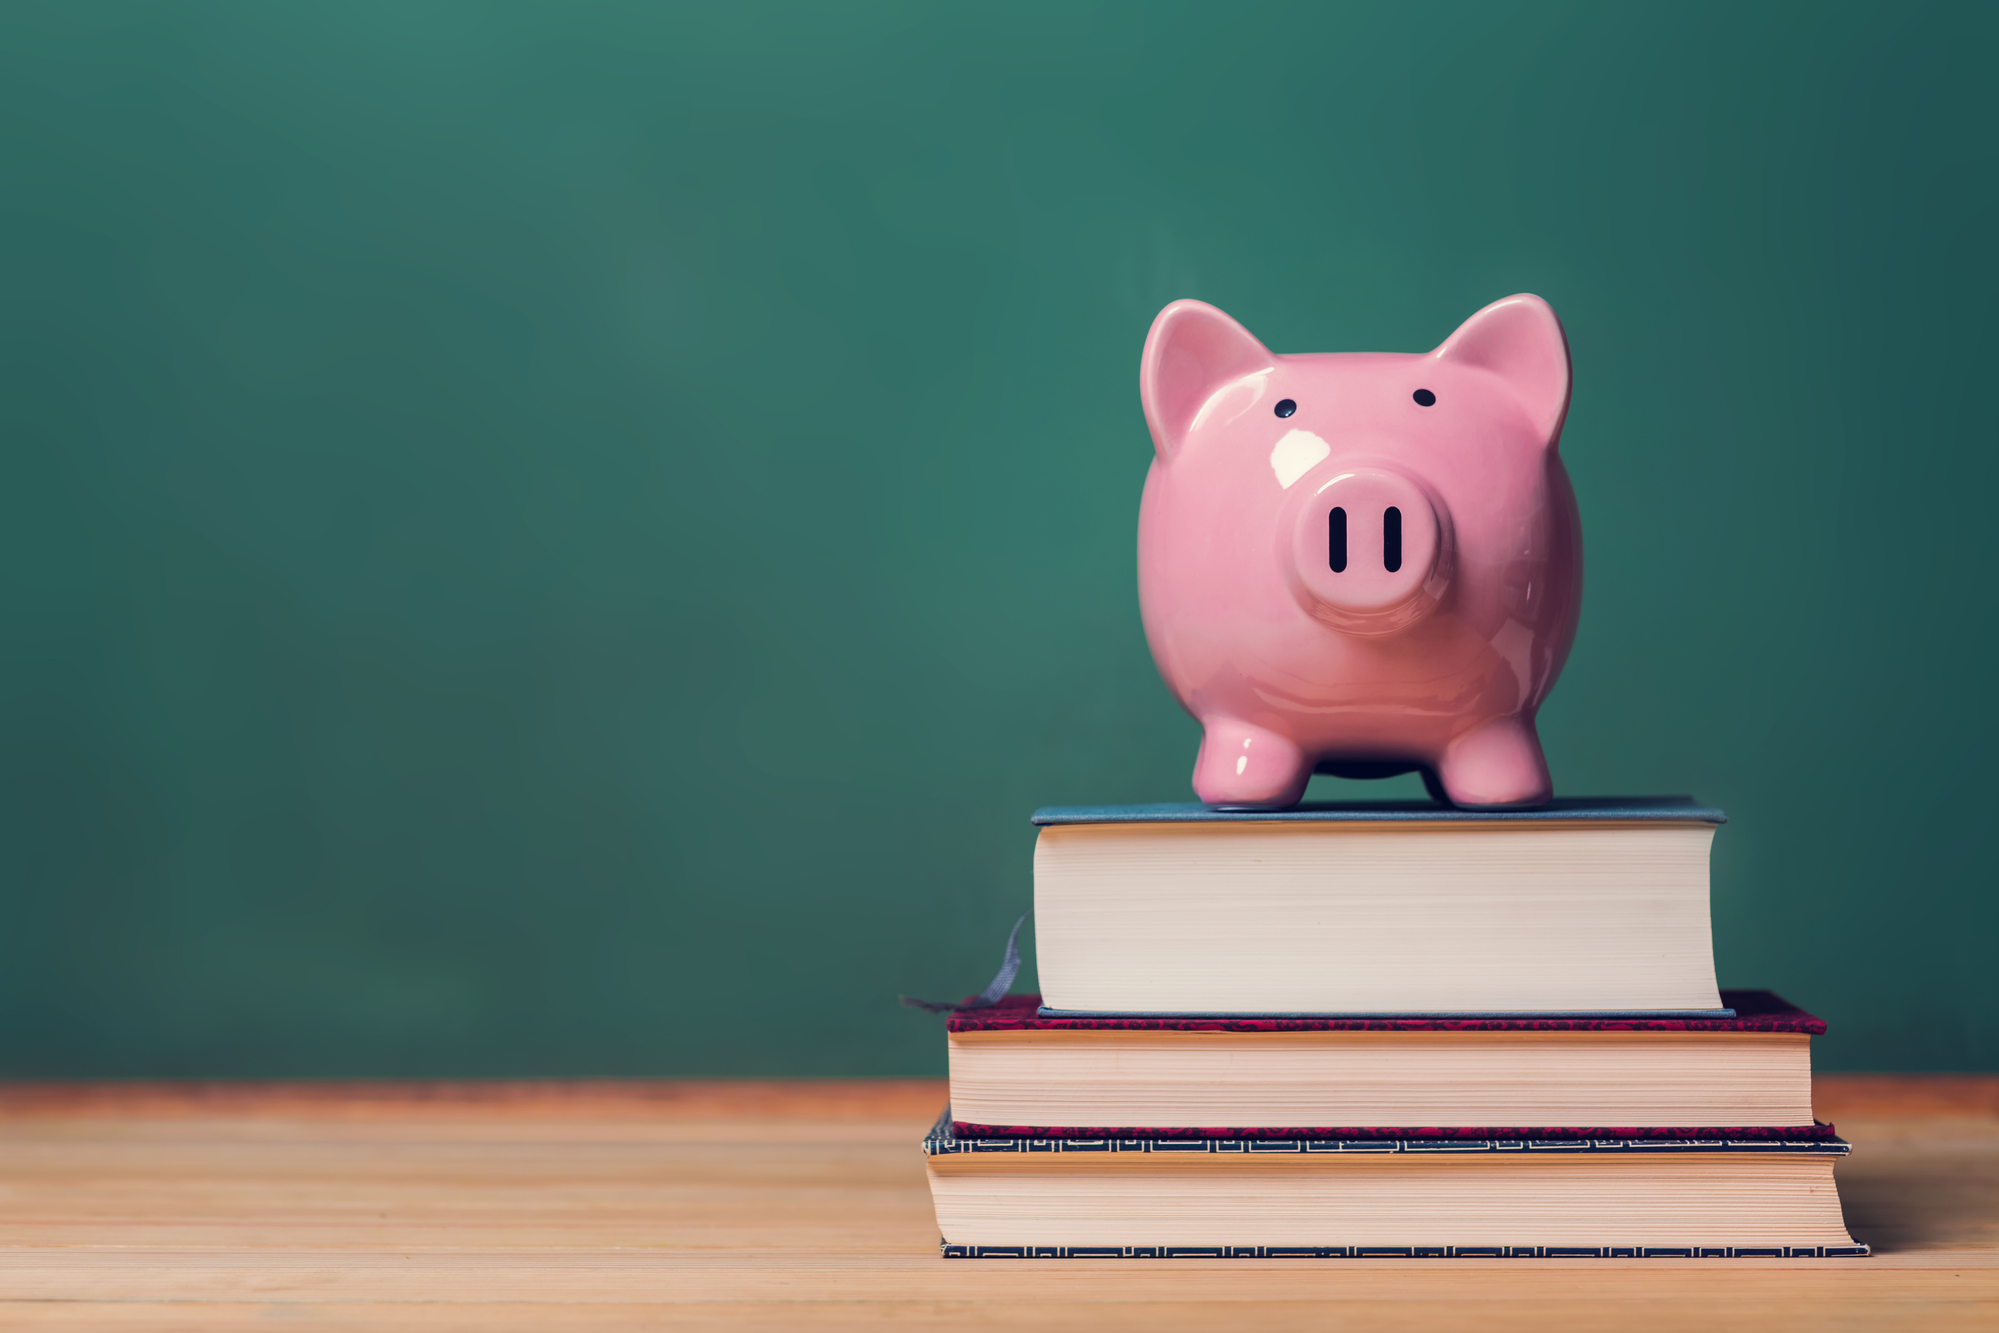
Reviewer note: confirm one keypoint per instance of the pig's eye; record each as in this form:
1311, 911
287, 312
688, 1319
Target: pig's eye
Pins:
1286, 407
1424, 398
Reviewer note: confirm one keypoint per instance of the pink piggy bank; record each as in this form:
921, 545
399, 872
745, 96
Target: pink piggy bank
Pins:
1360, 564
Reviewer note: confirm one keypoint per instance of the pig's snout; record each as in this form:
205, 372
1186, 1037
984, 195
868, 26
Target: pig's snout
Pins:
1369, 551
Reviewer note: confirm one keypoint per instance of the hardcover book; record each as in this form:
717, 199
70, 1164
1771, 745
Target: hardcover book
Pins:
1276, 1198
1377, 908
1017, 1070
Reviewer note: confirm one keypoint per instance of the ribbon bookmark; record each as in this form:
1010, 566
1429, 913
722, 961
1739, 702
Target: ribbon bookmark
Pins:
1001, 983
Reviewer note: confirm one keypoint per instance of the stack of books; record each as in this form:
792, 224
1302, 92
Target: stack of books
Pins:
1381, 1029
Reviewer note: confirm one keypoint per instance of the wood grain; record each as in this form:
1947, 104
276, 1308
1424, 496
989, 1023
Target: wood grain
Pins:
780, 1205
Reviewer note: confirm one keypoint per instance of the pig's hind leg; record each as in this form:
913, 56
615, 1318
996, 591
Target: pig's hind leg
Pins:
1245, 765
1497, 763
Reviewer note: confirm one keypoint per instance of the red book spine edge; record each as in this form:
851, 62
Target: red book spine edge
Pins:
1756, 1011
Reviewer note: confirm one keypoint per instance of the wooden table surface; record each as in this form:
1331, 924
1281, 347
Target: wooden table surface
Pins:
752, 1205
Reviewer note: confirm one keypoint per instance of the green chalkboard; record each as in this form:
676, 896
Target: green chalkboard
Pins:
569, 538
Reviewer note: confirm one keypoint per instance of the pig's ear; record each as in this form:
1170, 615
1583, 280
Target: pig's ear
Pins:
1193, 350
1520, 340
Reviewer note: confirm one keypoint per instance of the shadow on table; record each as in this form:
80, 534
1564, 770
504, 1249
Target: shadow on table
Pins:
1941, 1192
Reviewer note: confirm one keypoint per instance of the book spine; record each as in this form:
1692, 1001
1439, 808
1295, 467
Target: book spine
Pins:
951, 1251
1813, 1133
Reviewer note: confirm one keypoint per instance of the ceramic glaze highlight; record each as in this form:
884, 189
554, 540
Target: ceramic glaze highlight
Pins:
1360, 564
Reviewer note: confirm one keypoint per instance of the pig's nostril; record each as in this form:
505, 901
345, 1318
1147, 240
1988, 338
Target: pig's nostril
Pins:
1336, 540
1391, 540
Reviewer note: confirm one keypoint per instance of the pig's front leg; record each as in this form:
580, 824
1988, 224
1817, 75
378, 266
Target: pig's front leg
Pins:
1241, 764
1496, 763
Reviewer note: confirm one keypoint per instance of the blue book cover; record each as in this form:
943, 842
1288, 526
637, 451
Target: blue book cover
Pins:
1562, 810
